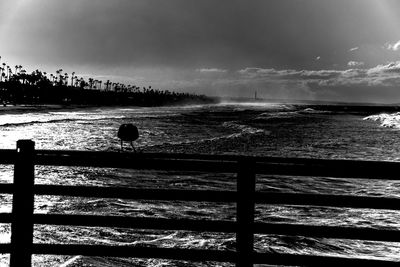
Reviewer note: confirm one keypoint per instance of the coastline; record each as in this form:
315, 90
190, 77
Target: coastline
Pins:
18, 109
27, 108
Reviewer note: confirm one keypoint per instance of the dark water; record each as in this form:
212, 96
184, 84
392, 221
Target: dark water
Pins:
249, 129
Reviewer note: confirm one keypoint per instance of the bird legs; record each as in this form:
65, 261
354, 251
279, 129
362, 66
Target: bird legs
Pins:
122, 146
133, 146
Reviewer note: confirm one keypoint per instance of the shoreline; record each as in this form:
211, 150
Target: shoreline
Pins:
27, 108
22, 108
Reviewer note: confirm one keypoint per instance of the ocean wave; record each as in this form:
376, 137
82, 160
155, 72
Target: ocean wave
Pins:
313, 111
244, 129
242, 132
23, 121
276, 115
386, 120
288, 114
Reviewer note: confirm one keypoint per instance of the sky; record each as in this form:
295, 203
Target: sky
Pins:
341, 50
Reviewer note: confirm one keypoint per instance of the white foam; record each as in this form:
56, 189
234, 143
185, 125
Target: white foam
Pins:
70, 261
31, 118
276, 115
244, 129
386, 120
313, 111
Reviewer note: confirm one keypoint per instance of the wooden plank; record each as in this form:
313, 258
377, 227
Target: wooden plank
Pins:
134, 193
5, 217
225, 157
223, 163
7, 156
338, 232
5, 248
6, 188
317, 261
138, 163
136, 222
373, 171
136, 252
298, 199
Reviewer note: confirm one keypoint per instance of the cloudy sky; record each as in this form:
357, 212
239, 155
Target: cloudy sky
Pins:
339, 50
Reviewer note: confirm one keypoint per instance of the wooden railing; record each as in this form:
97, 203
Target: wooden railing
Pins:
23, 218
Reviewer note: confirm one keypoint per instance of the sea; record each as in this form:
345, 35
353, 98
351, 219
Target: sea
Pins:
255, 129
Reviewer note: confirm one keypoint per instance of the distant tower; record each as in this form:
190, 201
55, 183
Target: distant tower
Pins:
255, 95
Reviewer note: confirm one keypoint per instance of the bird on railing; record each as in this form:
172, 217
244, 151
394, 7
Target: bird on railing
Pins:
128, 132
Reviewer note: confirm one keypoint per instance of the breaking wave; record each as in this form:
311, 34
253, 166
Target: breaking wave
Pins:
29, 119
276, 115
242, 132
288, 114
386, 120
244, 129
313, 111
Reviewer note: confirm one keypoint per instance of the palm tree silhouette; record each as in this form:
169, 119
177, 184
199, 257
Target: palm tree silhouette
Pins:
72, 78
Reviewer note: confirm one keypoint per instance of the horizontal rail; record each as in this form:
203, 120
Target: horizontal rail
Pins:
337, 232
276, 165
136, 252
337, 169
298, 199
5, 248
218, 226
138, 163
6, 188
215, 163
134, 193
7, 156
245, 197
138, 223
5, 217
203, 255
222, 164
225, 157
317, 261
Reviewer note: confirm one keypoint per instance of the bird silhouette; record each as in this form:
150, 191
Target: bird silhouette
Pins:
129, 133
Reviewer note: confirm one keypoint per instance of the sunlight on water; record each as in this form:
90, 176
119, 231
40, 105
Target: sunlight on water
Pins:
260, 129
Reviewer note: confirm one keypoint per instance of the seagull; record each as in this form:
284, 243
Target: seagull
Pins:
128, 132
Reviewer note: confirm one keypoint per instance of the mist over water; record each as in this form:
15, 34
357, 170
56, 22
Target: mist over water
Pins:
260, 129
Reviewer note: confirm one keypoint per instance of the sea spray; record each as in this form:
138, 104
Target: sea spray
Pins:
386, 120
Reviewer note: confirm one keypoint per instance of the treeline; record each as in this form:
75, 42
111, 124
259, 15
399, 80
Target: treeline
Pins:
19, 87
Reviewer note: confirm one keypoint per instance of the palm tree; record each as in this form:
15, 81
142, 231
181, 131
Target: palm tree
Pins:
23, 76
52, 77
107, 84
8, 72
72, 78
91, 81
58, 75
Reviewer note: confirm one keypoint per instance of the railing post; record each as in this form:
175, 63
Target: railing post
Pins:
23, 205
245, 213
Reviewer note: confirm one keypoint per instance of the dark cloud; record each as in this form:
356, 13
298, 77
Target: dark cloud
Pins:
287, 48
181, 33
